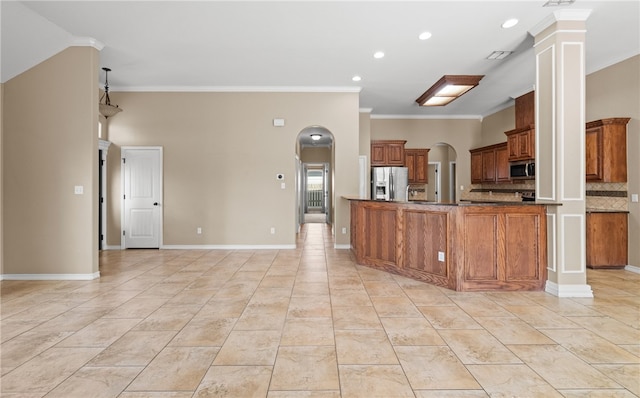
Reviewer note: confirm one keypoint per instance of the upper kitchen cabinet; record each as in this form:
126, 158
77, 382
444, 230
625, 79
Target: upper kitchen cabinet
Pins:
417, 161
521, 143
525, 110
387, 153
606, 150
490, 164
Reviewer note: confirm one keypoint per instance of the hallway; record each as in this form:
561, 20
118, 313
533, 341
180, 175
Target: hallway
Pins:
308, 322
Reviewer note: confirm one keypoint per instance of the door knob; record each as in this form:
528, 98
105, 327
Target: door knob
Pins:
155, 203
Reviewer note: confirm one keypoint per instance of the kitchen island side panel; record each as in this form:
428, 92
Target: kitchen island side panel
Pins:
470, 247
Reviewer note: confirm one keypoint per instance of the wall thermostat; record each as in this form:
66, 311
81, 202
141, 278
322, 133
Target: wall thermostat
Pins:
279, 176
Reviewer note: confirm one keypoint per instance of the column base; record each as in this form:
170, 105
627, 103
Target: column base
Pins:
568, 290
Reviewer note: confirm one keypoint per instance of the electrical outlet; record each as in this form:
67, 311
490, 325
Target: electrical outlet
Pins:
344, 230
441, 256
199, 230
273, 230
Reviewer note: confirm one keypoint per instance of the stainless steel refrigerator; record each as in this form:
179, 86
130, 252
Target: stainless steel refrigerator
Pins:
389, 183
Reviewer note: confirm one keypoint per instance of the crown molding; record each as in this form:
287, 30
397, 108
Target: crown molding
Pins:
440, 117
559, 15
86, 42
238, 89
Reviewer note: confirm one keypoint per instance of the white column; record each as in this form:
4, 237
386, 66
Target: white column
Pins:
560, 145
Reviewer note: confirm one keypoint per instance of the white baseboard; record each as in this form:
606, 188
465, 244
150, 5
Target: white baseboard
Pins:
632, 268
112, 247
228, 247
568, 290
337, 246
50, 277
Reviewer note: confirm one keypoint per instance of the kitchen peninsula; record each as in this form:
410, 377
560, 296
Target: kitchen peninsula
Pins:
460, 246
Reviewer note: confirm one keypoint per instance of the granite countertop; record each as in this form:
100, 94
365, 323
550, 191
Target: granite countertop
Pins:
606, 211
460, 203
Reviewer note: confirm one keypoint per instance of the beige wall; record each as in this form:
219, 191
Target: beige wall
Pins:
460, 134
494, 126
50, 141
221, 157
615, 92
315, 155
1, 181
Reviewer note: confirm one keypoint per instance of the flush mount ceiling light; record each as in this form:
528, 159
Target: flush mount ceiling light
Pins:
316, 137
424, 36
106, 109
447, 89
555, 3
378, 55
356, 78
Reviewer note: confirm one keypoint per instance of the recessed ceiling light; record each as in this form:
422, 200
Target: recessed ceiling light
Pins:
510, 23
316, 137
356, 78
378, 55
424, 35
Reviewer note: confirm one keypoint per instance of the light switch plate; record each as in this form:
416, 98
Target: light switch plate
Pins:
78, 190
634, 197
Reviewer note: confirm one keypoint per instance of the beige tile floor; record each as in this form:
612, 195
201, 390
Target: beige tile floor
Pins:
308, 323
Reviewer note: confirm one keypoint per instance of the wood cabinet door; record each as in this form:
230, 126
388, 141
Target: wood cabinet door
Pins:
607, 240
378, 154
421, 165
593, 154
476, 167
524, 145
489, 166
395, 154
521, 145
502, 164
513, 146
410, 164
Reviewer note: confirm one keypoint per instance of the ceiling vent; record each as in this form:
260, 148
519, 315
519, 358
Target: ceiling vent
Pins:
555, 3
496, 55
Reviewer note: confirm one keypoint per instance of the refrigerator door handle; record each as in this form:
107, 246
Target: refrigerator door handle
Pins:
391, 186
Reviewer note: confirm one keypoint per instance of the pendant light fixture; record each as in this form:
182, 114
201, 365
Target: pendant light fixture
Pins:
106, 109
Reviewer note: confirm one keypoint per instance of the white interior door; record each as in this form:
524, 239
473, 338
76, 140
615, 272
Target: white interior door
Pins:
142, 197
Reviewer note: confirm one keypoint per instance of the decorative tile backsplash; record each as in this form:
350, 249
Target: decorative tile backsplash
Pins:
417, 192
607, 196
498, 192
599, 196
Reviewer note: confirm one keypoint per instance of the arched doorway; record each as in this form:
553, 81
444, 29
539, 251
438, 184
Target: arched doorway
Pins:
442, 173
314, 177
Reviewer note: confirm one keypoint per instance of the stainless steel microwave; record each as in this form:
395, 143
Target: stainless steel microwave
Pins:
522, 171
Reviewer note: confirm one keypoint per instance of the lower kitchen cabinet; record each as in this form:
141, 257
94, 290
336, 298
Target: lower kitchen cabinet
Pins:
607, 239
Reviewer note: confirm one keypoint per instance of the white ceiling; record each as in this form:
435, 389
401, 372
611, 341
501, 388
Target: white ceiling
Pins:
313, 45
